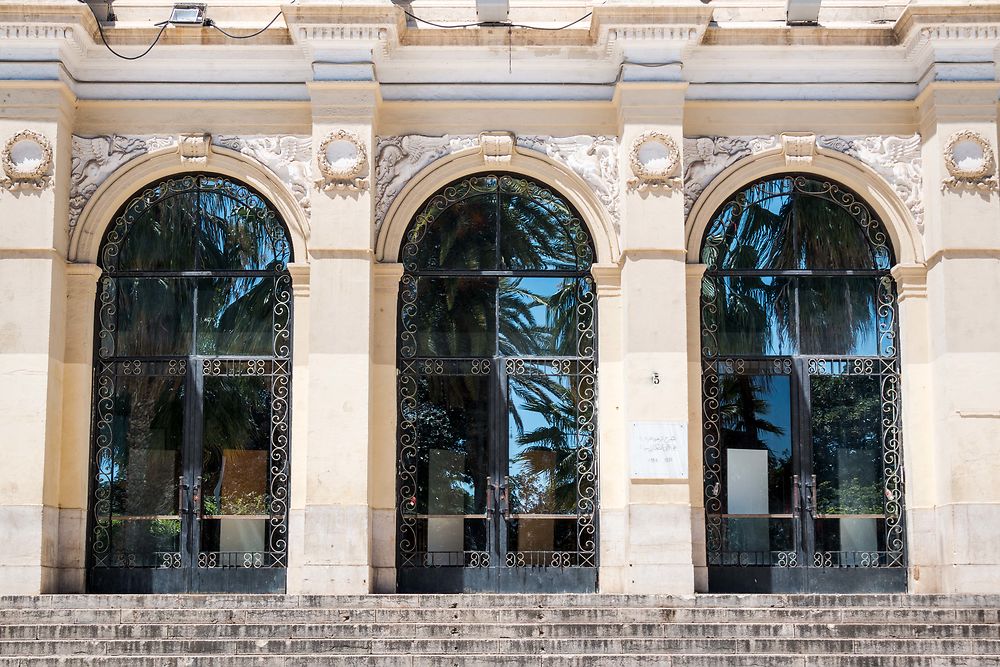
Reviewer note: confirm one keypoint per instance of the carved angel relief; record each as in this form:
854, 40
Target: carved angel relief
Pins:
399, 158
287, 157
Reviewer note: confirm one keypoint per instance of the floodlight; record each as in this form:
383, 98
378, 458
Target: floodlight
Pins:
492, 11
188, 13
802, 12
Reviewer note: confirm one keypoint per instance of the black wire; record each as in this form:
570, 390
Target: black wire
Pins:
163, 26
489, 24
211, 24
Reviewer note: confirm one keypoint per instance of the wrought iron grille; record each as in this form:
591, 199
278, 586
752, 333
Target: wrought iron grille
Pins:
565, 365
194, 306
790, 260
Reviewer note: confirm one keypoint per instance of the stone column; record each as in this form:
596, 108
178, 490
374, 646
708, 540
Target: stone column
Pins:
335, 512
32, 343
654, 347
382, 464
78, 375
961, 507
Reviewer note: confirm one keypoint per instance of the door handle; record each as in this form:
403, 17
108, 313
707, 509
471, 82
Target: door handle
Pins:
197, 496
489, 497
181, 488
811, 495
796, 499
505, 498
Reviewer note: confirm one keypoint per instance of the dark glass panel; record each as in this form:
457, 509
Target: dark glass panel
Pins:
239, 234
236, 316
846, 441
455, 317
755, 541
153, 316
542, 444
142, 465
538, 316
462, 236
755, 427
748, 315
451, 419
444, 541
145, 542
537, 538
838, 315
535, 234
853, 541
754, 231
828, 235
159, 239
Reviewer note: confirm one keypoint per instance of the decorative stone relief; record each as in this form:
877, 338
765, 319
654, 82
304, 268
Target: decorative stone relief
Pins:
288, 157
497, 147
894, 158
27, 161
594, 159
399, 158
707, 157
655, 161
969, 159
342, 160
798, 149
96, 158
194, 147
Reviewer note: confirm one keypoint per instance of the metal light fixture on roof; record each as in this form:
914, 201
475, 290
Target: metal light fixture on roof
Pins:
802, 12
492, 11
188, 13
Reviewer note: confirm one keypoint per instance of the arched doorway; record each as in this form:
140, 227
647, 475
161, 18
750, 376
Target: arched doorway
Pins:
800, 393
192, 369
496, 466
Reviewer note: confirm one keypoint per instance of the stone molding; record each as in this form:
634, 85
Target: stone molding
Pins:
897, 159
400, 158
647, 175
17, 177
982, 177
799, 149
352, 176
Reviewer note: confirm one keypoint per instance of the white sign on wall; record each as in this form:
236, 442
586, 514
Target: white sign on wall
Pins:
658, 450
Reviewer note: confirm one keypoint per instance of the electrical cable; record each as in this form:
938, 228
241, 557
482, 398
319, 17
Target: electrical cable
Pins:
209, 23
492, 24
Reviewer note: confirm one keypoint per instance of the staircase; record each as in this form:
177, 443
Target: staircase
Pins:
536, 630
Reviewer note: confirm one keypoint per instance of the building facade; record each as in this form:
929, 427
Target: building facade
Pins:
651, 297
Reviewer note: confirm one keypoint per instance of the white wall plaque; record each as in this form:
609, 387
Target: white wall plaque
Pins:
658, 450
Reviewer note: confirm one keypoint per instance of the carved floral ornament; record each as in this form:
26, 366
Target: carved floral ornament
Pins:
655, 160
342, 159
27, 160
969, 159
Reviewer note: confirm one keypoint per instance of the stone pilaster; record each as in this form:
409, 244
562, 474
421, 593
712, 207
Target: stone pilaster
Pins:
654, 344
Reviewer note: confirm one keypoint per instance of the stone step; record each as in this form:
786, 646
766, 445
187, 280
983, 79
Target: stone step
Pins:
505, 616
609, 660
228, 601
482, 647
496, 631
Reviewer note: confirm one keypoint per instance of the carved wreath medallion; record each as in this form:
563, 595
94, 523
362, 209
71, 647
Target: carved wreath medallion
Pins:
970, 161
27, 159
342, 160
655, 161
